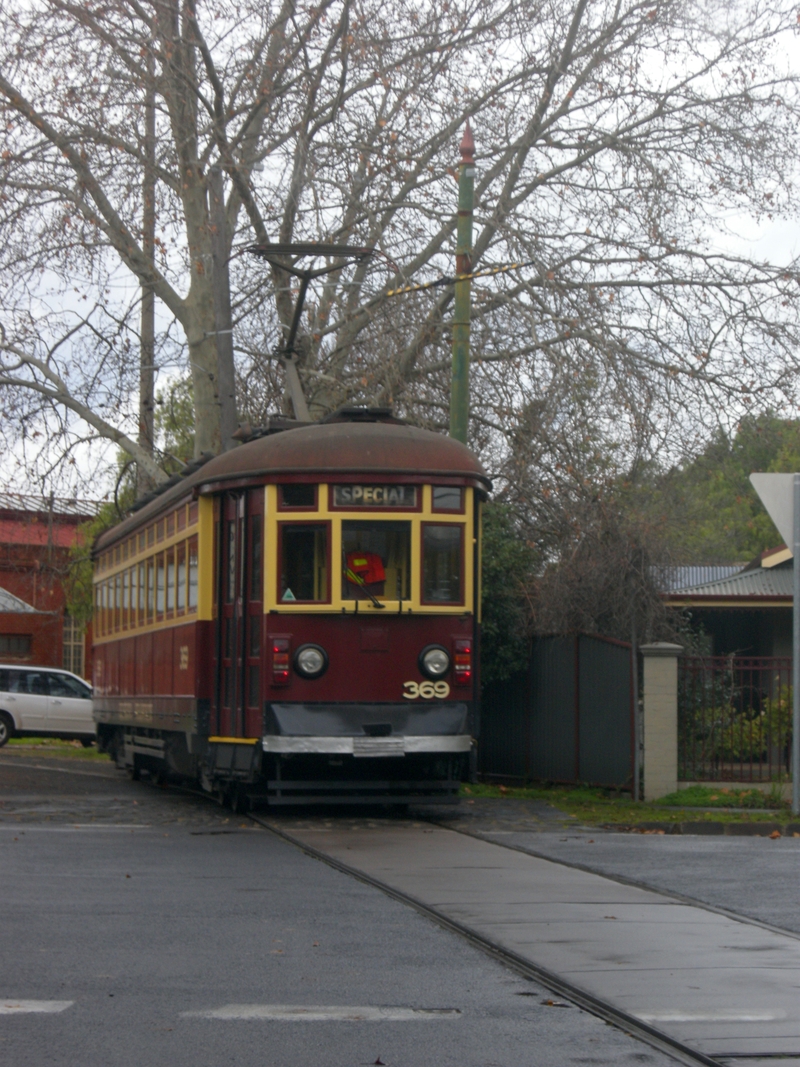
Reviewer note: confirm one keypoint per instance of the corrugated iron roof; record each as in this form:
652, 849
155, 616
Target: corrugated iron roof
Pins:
29, 502
762, 582
673, 579
9, 602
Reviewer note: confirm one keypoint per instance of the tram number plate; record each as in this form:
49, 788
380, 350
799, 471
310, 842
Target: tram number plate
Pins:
426, 690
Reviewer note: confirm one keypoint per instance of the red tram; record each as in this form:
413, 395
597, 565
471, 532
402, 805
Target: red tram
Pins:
296, 620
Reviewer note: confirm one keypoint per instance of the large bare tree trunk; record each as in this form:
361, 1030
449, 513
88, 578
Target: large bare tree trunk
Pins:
147, 351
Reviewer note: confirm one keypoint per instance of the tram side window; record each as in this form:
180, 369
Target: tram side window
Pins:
376, 559
181, 573
192, 574
442, 563
160, 584
304, 562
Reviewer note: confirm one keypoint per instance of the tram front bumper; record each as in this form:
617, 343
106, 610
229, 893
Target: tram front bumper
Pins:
367, 746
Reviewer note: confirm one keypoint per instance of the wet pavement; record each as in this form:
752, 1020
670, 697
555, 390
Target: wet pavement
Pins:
721, 985
145, 925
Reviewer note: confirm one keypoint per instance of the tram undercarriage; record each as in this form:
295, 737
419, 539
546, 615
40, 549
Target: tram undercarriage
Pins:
245, 773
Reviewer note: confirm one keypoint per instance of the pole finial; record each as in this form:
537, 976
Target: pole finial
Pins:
467, 145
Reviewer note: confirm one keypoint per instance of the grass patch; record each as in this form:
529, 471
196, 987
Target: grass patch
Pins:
52, 747
702, 796
595, 807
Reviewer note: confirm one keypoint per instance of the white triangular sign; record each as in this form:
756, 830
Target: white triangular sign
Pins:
777, 496
289, 595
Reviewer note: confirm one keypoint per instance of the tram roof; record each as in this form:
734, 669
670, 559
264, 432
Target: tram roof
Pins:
335, 448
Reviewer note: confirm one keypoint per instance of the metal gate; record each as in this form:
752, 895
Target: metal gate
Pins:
734, 718
567, 718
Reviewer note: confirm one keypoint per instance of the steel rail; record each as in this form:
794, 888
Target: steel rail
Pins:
615, 1016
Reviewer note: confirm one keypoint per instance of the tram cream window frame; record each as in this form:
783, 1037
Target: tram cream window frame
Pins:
274, 515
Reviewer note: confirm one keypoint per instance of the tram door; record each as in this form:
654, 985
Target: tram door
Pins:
239, 615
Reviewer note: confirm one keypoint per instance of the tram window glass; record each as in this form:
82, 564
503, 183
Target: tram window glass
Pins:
447, 498
151, 589
192, 574
441, 564
255, 636
304, 562
160, 584
141, 594
180, 516
298, 495
374, 549
230, 560
170, 524
255, 558
134, 577
170, 580
117, 599
181, 591
125, 599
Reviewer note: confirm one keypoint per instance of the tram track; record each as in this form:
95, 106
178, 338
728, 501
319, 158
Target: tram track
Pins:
610, 1014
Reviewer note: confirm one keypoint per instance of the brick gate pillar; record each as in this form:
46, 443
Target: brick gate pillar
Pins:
660, 718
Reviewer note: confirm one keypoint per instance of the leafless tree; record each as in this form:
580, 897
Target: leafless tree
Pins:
615, 142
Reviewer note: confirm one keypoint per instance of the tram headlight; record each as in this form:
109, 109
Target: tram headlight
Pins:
310, 661
434, 661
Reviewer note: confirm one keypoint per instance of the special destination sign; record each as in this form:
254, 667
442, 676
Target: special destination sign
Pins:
375, 496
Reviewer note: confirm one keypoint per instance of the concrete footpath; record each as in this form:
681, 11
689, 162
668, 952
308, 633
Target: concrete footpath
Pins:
727, 987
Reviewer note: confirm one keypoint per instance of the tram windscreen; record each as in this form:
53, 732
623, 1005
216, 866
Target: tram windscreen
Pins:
376, 559
304, 562
441, 564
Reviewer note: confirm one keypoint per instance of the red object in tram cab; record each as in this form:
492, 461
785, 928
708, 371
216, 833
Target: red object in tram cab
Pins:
368, 566
462, 674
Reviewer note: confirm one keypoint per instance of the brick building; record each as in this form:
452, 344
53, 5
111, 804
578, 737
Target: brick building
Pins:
36, 536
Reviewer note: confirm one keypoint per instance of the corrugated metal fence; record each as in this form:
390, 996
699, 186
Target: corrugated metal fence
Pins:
734, 718
567, 718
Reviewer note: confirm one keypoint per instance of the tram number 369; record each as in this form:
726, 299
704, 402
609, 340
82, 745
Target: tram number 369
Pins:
426, 690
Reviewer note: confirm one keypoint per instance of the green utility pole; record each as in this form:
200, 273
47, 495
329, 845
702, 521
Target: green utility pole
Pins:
459, 383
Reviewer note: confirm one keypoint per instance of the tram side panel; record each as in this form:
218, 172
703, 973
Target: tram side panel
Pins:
152, 696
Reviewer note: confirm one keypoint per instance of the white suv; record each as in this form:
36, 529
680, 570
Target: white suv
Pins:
40, 700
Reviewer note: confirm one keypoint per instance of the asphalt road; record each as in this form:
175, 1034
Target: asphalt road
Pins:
148, 926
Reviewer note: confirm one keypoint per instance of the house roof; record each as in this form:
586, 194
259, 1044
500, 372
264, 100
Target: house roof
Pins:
13, 604
760, 584
61, 507
672, 579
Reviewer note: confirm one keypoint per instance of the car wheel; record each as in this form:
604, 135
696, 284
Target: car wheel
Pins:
6, 728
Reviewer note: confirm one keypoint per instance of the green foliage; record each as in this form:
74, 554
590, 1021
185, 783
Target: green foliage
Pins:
174, 424
508, 563
710, 505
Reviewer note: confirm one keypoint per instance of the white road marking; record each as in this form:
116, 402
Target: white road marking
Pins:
709, 1016
23, 1007
312, 1013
